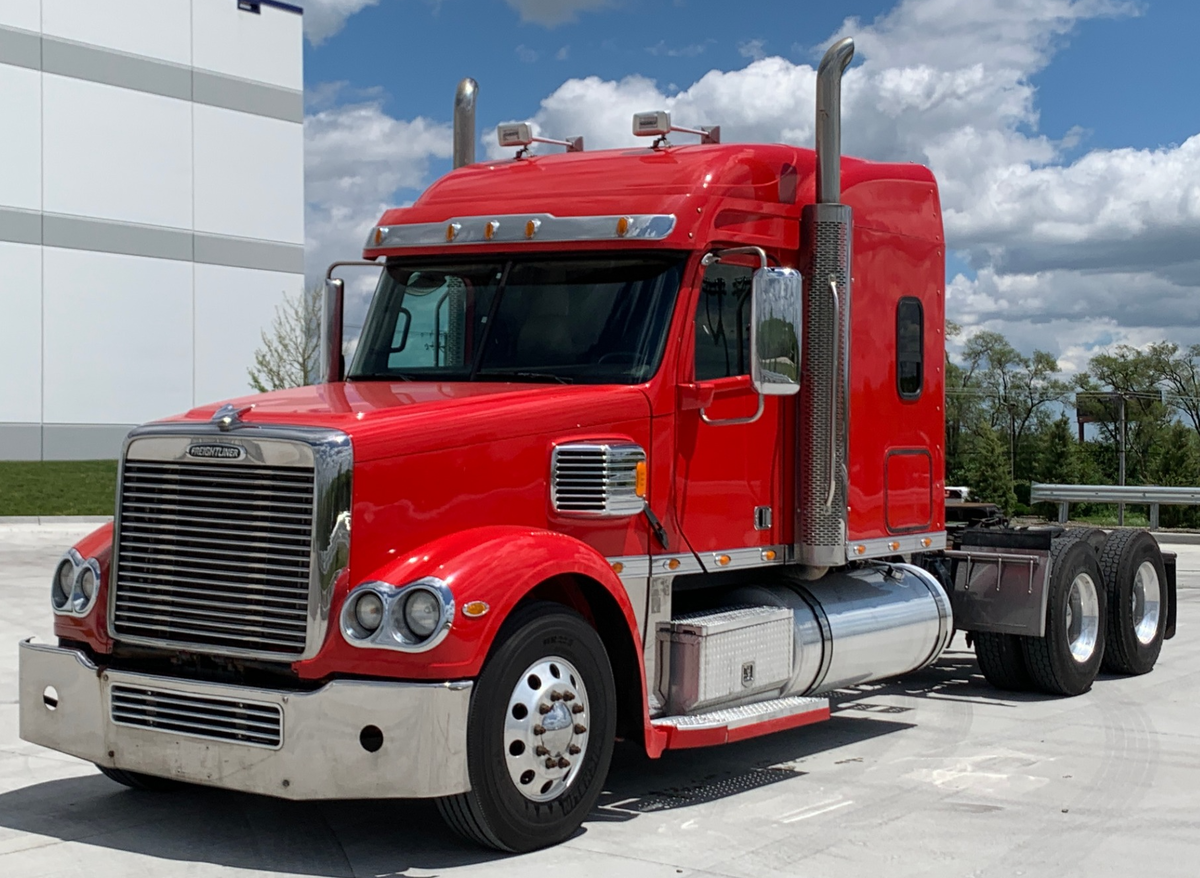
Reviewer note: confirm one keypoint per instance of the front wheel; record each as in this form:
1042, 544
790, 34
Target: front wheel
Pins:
539, 733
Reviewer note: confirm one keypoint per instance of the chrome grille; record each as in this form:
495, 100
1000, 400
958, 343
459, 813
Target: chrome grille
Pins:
215, 555
202, 716
596, 479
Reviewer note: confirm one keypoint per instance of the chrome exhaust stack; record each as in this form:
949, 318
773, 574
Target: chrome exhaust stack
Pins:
464, 122
825, 242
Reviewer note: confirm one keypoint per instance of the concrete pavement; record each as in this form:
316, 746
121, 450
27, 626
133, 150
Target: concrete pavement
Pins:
934, 775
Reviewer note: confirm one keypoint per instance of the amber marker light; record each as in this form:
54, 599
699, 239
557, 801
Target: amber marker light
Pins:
617, 567
860, 550
769, 555
623, 227
926, 542
489, 231
894, 546
531, 227
673, 564
723, 560
639, 483
475, 609
452, 231
379, 233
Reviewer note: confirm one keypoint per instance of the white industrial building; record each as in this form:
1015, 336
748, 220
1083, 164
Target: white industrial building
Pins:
151, 209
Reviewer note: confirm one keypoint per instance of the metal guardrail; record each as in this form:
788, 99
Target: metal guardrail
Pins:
1140, 495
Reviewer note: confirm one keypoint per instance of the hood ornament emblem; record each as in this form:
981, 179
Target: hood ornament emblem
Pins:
229, 416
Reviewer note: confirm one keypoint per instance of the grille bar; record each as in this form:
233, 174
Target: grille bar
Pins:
245, 722
215, 556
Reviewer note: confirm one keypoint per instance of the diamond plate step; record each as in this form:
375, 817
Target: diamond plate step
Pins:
747, 714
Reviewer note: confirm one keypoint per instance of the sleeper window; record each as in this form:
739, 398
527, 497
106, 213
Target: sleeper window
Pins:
910, 347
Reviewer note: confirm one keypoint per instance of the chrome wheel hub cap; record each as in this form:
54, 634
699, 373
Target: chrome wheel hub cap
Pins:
1083, 618
1145, 603
546, 729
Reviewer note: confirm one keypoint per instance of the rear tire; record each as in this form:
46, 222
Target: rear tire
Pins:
1002, 661
547, 657
1136, 580
1067, 659
137, 781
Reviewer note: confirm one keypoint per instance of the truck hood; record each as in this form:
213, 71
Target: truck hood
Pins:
386, 419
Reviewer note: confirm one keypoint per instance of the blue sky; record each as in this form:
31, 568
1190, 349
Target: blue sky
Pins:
1064, 132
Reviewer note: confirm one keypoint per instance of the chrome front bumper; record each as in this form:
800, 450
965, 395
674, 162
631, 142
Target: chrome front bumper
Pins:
321, 751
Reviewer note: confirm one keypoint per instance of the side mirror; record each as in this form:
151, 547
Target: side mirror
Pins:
776, 318
332, 367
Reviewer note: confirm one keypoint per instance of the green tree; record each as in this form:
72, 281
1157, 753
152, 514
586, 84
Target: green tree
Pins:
1124, 380
1178, 373
1058, 458
290, 352
986, 469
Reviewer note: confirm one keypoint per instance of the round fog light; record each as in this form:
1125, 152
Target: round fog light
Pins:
422, 611
64, 579
368, 611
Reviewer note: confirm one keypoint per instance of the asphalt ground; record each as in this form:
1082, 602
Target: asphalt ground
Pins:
934, 775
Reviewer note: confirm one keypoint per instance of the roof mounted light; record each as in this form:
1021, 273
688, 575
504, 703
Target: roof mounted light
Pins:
521, 134
657, 123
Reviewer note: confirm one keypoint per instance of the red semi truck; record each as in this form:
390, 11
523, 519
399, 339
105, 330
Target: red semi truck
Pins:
640, 443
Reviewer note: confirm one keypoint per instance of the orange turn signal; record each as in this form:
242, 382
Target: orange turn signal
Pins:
673, 564
769, 555
723, 560
475, 609
623, 227
531, 227
639, 484
617, 567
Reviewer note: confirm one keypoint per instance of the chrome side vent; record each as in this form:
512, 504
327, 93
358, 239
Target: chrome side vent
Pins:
597, 479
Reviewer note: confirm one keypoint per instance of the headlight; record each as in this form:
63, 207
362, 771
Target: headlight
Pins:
87, 584
63, 585
368, 611
421, 613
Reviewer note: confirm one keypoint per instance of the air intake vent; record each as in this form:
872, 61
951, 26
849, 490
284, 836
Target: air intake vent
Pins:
597, 480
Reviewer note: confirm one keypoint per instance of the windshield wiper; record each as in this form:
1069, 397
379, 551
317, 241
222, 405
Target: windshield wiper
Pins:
528, 376
381, 376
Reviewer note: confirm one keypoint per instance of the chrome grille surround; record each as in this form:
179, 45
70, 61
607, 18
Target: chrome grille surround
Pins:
257, 723
232, 556
826, 231
596, 479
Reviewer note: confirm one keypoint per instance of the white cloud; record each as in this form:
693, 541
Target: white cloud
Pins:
324, 18
752, 49
551, 13
688, 51
526, 54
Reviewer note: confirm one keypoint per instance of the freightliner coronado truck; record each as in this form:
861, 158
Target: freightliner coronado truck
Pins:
640, 444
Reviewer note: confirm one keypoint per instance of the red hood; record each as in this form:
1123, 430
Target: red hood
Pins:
385, 419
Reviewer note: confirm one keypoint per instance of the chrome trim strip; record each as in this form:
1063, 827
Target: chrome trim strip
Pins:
510, 229
904, 544
113, 67
633, 567
741, 559
332, 459
660, 565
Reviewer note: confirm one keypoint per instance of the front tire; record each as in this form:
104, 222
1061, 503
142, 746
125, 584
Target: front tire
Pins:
1067, 659
137, 781
540, 733
1137, 619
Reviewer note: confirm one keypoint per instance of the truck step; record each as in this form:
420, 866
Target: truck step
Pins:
731, 724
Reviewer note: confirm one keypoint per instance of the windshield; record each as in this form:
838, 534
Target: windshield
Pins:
587, 319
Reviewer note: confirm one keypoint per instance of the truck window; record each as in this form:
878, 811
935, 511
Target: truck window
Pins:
594, 319
910, 347
723, 322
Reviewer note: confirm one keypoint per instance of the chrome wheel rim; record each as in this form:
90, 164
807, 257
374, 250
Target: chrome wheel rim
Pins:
1146, 607
546, 729
1083, 618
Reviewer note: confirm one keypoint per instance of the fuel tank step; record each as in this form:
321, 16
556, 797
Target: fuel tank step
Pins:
730, 724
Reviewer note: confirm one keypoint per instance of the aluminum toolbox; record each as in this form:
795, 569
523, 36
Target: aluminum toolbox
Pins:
720, 658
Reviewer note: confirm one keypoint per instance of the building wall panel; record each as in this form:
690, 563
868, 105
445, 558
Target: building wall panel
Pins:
118, 340
20, 333
21, 138
115, 153
265, 47
154, 28
251, 193
25, 14
233, 305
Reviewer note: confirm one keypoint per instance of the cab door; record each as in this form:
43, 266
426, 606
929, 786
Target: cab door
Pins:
728, 454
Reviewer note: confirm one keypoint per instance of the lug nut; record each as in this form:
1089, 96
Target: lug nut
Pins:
539, 730
576, 708
580, 728
539, 750
563, 762
573, 750
555, 696
550, 763
544, 709
568, 696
